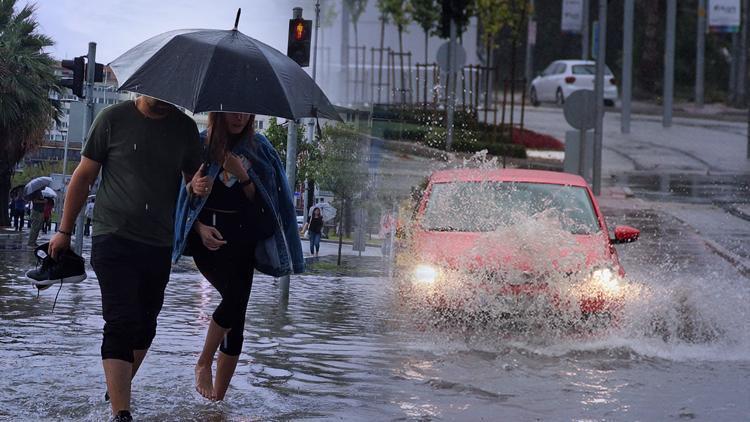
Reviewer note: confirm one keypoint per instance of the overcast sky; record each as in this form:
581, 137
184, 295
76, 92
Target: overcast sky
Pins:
117, 25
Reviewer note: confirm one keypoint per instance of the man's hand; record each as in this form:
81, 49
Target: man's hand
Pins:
59, 243
201, 184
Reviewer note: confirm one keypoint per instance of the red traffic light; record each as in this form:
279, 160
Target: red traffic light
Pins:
298, 48
299, 30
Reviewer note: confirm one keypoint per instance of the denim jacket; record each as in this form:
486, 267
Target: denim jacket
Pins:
280, 254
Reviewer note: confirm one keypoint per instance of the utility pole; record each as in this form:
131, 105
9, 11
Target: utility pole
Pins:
309, 196
291, 171
627, 66
669, 62
700, 55
742, 64
599, 94
585, 32
451, 85
89, 118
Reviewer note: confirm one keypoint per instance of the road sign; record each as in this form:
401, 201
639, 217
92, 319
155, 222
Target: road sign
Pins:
580, 109
459, 56
572, 16
724, 15
76, 132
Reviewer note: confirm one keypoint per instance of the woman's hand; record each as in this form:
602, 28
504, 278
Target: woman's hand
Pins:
233, 164
201, 184
210, 237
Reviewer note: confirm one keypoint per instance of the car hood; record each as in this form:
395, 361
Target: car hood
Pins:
485, 251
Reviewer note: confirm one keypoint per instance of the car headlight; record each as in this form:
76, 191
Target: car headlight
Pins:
425, 274
607, 280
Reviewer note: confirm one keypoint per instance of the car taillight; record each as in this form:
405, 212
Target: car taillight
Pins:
613, 81
570, 80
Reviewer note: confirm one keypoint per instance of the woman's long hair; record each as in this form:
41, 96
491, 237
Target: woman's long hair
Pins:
220, 140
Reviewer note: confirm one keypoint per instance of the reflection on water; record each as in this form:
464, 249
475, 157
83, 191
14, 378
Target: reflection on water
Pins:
341, 350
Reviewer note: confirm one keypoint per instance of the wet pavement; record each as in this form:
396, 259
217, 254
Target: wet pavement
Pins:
344, 349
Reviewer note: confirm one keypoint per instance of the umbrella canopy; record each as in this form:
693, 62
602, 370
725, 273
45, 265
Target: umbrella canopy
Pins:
327, 211
221, 70
36, 185
48, 192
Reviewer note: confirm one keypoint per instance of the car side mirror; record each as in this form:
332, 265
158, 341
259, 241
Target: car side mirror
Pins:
625, 234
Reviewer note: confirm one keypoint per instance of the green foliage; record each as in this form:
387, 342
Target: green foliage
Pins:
459, 11
27, 78
425, 13
356, 8
341, 169
328, 13
44, 168
308, 154
399, 12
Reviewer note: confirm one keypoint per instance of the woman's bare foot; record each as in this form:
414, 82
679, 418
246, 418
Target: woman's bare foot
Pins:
204, 381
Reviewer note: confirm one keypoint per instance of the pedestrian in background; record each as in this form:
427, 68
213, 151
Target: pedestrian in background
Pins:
89, 216
48, 207
37, 217
314, 227
19, 211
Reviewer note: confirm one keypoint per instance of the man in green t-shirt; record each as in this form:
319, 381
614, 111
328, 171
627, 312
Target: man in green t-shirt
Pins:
142, 148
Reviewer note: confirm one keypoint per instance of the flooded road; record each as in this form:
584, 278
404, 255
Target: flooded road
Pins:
343, 350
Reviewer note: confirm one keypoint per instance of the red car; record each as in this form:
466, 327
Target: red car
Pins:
512, 241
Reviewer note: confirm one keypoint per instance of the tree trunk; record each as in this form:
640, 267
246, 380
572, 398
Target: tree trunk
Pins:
5, 181
341, 230
426, 44
380, 65
651, 61
401, 59
356, 63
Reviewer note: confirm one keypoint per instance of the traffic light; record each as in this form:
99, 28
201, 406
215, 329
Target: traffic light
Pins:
76, 82
298, 48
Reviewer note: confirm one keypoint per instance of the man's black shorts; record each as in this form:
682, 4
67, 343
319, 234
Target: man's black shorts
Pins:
132, 278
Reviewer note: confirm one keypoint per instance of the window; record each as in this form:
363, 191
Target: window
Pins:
488, 206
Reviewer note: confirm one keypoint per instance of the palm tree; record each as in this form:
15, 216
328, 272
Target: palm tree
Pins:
27, 78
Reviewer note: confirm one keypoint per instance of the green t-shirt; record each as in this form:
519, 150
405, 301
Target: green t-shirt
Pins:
142, 160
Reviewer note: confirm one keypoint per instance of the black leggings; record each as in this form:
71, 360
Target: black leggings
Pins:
230, 271
132, 278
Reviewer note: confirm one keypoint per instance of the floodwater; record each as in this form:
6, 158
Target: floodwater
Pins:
342, 349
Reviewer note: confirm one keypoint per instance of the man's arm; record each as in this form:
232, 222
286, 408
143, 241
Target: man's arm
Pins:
78, 189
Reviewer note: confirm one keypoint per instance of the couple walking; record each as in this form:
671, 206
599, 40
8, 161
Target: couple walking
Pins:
233, 214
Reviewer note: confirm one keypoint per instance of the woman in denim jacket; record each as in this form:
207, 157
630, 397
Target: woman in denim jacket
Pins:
243, 224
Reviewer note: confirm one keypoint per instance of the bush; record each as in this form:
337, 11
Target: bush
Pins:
533, 140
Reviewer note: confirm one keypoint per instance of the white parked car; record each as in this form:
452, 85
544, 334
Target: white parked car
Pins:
563, 77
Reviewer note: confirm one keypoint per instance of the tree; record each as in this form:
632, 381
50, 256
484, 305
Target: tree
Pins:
27, 80
308, 154
399, 11
383, 20
426, 14
460, 11
341, 168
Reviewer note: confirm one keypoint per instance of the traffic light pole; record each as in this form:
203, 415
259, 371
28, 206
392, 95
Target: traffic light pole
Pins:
627, 66
669, 45
310, 185
89, 119
599, 93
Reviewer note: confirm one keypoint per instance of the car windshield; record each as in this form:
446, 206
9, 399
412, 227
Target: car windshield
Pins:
488, 206
588, 69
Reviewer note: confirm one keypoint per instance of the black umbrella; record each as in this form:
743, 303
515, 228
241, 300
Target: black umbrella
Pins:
217, 70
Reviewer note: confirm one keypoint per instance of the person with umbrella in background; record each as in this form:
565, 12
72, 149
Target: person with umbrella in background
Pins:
49, 205
143, 149
37, 217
